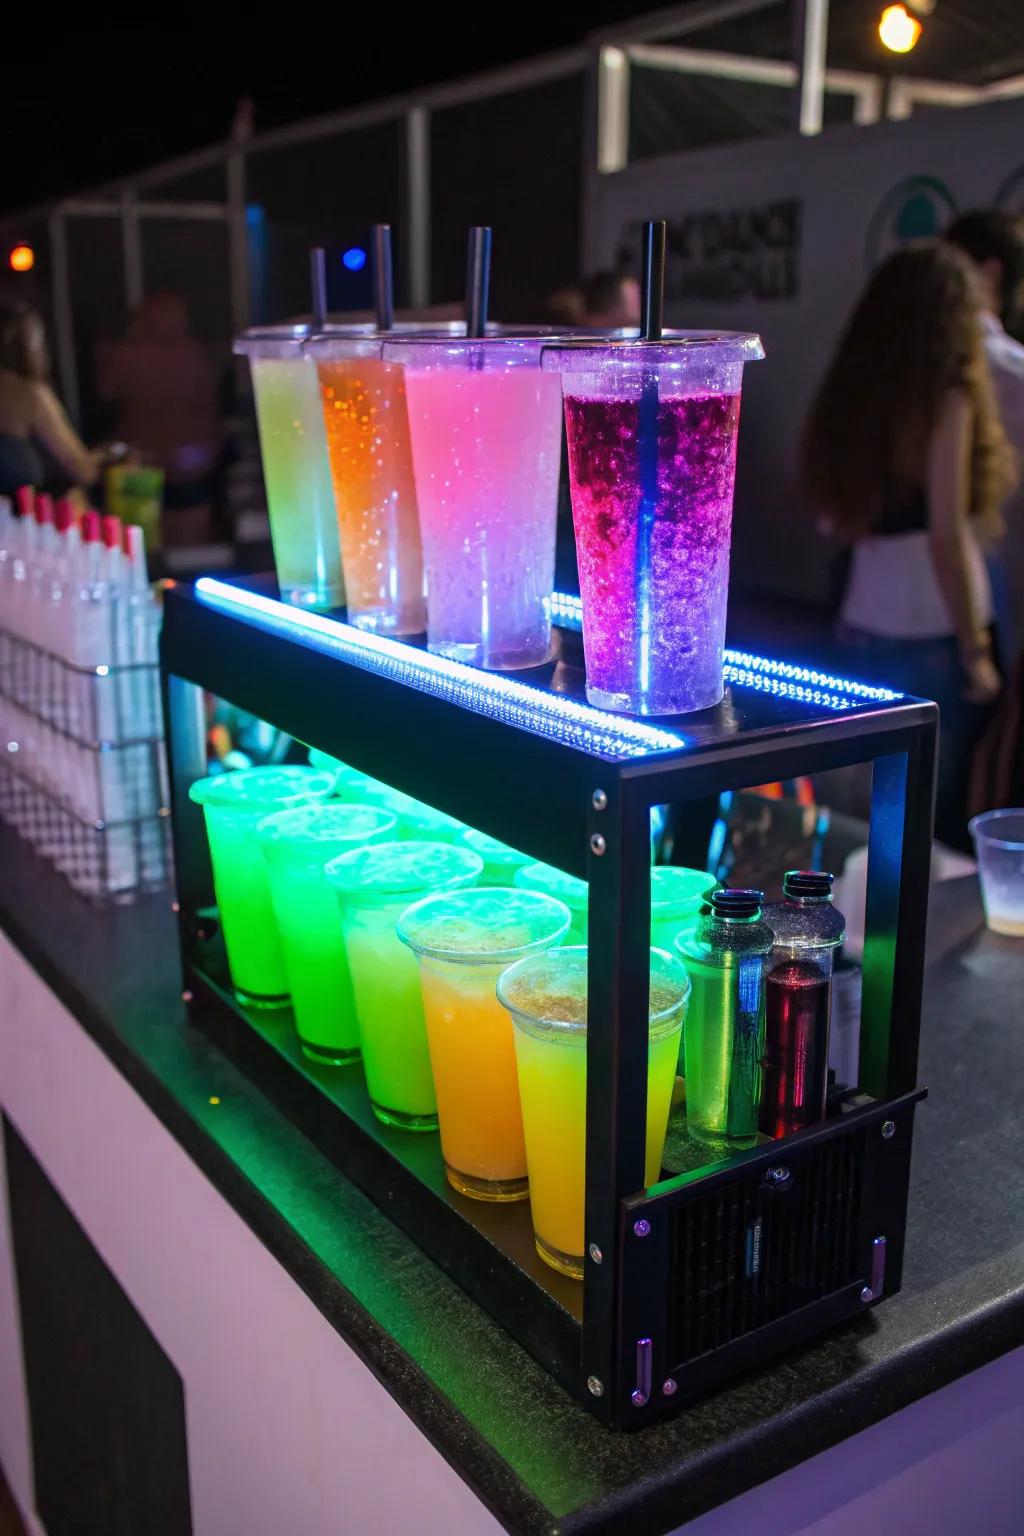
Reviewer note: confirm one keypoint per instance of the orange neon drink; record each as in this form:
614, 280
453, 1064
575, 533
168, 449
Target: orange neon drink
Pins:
368, 447
547, 998
463, 941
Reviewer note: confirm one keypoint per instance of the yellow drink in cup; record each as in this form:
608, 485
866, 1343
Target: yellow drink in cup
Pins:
547, 998
463, 941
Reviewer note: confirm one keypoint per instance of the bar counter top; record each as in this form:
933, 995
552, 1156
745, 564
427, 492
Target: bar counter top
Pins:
532, 1456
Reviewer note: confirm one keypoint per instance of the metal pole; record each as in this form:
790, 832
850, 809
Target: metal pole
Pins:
612, 110
238, 244
130, 236
417, 170
63, 326
811, 23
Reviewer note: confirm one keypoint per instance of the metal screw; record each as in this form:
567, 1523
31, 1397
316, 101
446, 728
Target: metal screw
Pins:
888, 1130
186, 997
642, 1227
595, 1253
595, 1386
777, 1176
599, 800
670, 1386
597, 844
867, 1294
638, 1399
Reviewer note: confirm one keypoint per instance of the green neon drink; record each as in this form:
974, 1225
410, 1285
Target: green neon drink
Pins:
677, 895
296, 845
293, 446
416, 819
727, 957
374, 886
500, 861
233, 803
555, 882
463, 941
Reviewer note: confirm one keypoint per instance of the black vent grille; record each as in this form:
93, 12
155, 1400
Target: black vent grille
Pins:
751, 1250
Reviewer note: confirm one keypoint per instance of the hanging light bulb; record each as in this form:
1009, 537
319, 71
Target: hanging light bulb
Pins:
898, 29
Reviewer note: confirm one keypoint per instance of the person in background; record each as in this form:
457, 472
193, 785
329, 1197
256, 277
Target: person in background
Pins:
38, 444
905, 460
611, 300
163, 382
994, 242
564, 307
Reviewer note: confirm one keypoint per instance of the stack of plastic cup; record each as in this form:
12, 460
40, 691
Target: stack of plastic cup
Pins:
486, 429
651, 428
555, 882
547, 997
374, 886
463, 942
500, 861
233, 804
296, 845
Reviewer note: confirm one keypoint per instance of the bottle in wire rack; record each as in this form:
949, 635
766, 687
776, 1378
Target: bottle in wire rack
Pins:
798, 995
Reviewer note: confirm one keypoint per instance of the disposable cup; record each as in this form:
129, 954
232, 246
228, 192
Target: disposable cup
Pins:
555, 882
296, 845
374, 886
546, 995
999, 845
463, 941
416, 819
500, 861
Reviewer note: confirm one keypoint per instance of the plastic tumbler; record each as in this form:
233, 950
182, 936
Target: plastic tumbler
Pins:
500, 861
374, 886
296, 845
486, 427
555, 882
651, 428
300, 500
677, 895
463, 942
370, 455
547, 998
999, 845
233, 804
416, 819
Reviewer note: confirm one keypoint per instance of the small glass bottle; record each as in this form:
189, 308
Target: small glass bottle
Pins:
808, 931
726, 957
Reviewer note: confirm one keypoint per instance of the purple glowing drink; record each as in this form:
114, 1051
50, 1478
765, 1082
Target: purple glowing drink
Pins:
652, 461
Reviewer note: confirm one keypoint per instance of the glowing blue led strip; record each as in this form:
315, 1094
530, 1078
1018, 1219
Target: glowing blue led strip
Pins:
498, 697
806, 684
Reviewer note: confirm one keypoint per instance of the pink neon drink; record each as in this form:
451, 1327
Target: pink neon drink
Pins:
485, 424
652, 428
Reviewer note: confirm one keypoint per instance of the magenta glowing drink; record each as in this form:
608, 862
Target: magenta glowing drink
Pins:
652, 427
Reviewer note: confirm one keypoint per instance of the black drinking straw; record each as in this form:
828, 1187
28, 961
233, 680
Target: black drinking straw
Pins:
383, 282
652, 316
478, 279
318, 286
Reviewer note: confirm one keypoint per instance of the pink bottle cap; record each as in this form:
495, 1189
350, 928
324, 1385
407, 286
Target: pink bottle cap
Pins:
90, 527
25, 500
63, 515
112, 532
44, 508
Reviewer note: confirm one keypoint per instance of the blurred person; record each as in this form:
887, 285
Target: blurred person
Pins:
611, 300
164, 385
994, 242
564, 307
38, 444
905, 460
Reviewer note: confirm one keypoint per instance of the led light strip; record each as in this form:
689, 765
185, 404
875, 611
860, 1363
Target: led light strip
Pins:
806, 683
498, 697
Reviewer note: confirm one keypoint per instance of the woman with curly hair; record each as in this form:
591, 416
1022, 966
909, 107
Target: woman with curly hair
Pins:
905, 461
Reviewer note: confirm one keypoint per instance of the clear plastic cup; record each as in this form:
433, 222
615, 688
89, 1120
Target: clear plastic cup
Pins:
463, 942
233, 804
293, 447
555, 882
416, 819
486, 428
651, 428
500, 861
999, 844
374, 886
677, 895
296, 845
547, 998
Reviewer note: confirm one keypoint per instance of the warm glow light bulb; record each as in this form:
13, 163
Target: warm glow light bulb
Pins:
22, 258
898, 30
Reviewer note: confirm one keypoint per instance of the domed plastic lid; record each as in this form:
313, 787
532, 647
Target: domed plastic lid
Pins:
258, 791
383, 873
676, 891
493, 851
483, 927
554, 882
550, 990
325, 762
422, 820
320, 831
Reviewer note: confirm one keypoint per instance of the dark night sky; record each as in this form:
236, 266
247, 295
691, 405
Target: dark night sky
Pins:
119, 98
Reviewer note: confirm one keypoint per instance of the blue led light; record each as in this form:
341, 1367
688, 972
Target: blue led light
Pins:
354, 258
498, 697
805, 684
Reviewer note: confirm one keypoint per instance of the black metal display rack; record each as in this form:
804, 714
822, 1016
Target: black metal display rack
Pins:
715, 1268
